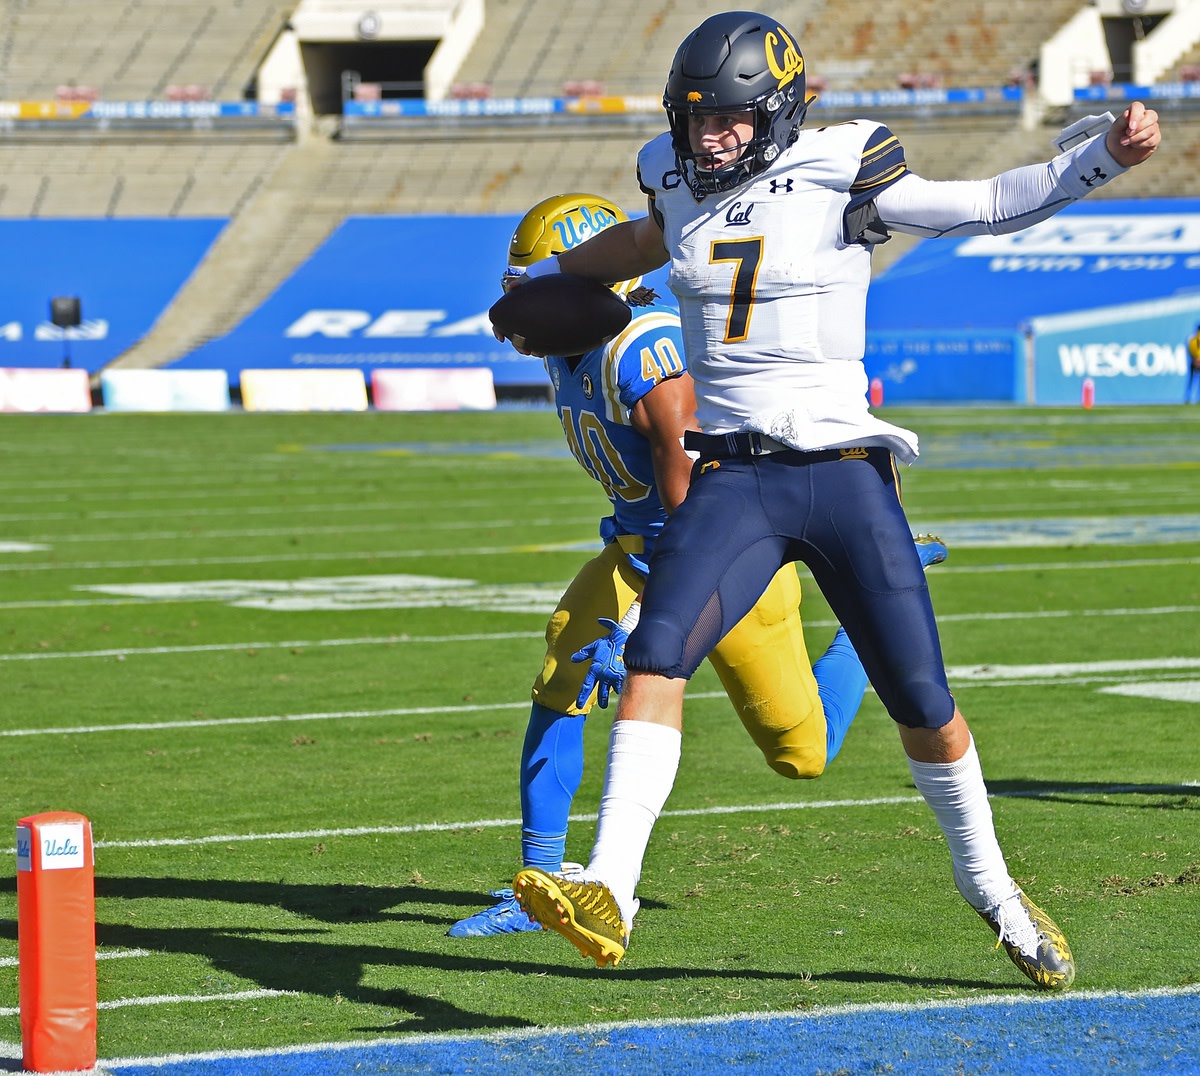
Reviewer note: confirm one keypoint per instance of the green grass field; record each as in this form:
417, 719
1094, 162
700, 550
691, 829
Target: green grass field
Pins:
282, 662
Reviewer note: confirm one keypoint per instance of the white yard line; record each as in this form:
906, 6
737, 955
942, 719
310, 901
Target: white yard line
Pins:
369, 640
792, 1016
101, 954
1087, 672
281, 558
545, 547
268, 719
698, 812
178, 999
396, 640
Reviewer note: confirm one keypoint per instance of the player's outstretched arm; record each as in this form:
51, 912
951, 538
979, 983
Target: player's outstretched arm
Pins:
1022, 196
1134, 136
622, 252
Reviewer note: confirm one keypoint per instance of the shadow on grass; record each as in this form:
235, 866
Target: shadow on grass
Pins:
1164, 797
331, 903
311, 960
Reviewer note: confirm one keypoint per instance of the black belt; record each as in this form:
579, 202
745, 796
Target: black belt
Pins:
727, 446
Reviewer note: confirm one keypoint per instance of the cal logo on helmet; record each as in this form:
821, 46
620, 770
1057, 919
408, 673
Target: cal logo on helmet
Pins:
783, 58
735, 62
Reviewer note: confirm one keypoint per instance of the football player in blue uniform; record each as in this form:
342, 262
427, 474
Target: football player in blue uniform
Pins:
768, 224
624, 407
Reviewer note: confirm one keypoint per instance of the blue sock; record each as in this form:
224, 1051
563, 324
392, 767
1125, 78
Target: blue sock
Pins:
841, 683
551, 769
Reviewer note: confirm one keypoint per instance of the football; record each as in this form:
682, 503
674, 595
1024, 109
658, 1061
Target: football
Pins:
560, 314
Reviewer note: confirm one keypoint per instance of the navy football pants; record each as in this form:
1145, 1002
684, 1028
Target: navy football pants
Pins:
744, 518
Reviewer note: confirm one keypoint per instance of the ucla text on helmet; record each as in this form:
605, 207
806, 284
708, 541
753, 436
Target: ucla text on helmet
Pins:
574, 228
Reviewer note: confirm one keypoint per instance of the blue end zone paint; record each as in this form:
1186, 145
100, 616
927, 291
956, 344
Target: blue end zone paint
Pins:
1075, 1035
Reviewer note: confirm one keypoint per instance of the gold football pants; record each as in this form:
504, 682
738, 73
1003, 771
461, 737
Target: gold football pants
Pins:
762, 663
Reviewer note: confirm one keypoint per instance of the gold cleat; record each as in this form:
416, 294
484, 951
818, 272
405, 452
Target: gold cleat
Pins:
585, 913
1033, 941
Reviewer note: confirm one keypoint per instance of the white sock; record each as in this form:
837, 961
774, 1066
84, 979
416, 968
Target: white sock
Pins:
643, 758
957, 796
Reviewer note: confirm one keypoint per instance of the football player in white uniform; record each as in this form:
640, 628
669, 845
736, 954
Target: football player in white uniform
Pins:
768, 227
624, 406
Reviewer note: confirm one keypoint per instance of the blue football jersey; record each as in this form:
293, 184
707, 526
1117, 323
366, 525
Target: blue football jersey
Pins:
593, 403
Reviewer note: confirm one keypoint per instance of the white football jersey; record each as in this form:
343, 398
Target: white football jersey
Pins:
772, 290
772, 299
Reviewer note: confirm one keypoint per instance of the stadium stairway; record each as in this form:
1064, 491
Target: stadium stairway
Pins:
279, 227
320, 181
317, 183
310, 187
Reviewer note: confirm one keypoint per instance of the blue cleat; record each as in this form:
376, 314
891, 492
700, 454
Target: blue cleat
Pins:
504, 917
931, 549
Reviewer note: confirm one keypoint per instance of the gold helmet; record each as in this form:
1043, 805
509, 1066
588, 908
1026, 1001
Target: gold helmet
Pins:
558, 224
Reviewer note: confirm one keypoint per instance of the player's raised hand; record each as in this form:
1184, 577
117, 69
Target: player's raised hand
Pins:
607, 670
1134, 136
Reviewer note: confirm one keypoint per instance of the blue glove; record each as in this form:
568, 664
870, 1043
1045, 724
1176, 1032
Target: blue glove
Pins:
607, 672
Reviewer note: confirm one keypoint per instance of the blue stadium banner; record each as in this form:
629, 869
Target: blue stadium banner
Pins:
917, 366
627, 104
1131, 353
18, 112
1121, 92
124, 273
961, 297
951, 320
386, 292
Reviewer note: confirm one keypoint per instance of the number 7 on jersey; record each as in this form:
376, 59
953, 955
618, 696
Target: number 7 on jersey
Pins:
746, 255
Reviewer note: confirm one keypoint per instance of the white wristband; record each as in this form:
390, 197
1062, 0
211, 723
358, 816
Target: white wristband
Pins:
546, 267
630, 620
1087, 167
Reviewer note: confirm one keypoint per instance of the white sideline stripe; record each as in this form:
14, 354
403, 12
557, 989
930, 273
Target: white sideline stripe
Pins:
392, 640
331, 715
482, 823
796, 1016
991, 675
179, 999
481, 551
1080, 668
1058, 614
176, 999
696, 812
106, 954
1173, 691
957, 618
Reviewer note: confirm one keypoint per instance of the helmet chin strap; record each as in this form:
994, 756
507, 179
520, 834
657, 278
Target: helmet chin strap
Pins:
739, 169
738, 152
723, 179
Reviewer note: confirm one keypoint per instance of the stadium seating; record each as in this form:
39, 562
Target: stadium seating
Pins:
284, 195
145, 177
531, 49
132, 52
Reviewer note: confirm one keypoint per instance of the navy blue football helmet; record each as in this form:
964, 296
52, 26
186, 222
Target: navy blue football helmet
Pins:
737, 61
